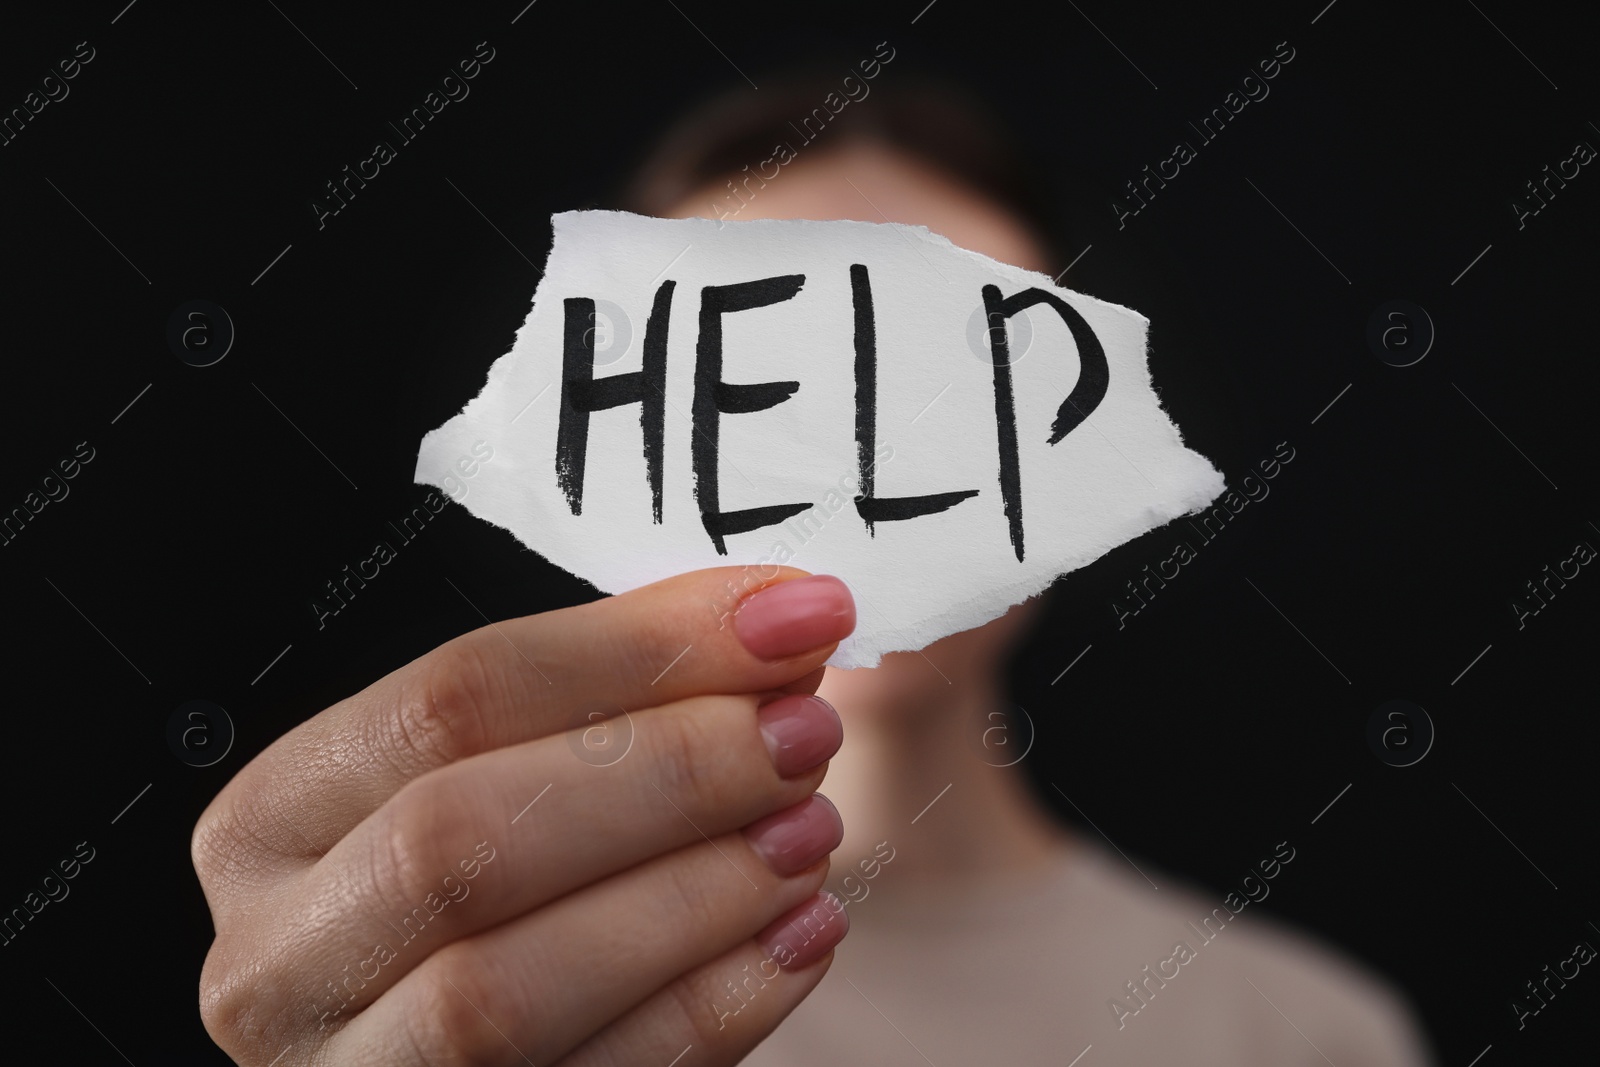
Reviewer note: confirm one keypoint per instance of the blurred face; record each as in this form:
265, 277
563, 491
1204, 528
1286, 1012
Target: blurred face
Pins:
870, 182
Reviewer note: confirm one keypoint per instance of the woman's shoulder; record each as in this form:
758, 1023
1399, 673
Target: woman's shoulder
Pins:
1245, 959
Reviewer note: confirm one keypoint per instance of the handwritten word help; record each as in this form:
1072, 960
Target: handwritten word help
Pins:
758, 359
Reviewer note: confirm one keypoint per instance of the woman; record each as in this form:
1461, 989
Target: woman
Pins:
456, 865
993, 931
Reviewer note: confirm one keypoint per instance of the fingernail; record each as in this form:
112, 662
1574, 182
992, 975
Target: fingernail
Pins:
795, 838
795, 616
801, 732
807, 933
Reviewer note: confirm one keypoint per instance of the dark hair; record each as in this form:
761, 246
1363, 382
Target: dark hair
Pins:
726, 138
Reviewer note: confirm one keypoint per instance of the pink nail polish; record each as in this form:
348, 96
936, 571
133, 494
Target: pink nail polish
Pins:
801, 732
795, 616
793, 839
807, 933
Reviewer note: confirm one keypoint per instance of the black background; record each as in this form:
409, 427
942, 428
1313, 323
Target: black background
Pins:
1206, 730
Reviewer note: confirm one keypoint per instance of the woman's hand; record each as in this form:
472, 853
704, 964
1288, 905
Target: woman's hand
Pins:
479, 859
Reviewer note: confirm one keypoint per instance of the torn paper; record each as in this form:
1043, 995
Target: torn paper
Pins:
943, 432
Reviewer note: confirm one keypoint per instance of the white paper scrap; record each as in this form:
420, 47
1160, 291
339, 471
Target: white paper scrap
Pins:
691, 393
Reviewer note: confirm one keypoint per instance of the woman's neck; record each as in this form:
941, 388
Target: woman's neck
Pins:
922, 779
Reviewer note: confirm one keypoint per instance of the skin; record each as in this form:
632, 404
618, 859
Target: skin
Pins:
592, 925
561, 911
915, 723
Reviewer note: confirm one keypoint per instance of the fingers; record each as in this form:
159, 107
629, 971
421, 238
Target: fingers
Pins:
719, 1012
514, 990
487, 839
725, 630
